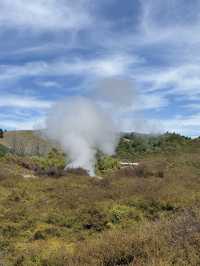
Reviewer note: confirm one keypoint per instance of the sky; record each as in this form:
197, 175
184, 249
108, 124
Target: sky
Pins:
52, 49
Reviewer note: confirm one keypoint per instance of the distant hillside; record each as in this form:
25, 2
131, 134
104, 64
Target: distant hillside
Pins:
26, 142
134, 145
131, 145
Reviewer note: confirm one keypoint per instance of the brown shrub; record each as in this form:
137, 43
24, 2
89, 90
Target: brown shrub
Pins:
76, 171
146, 169
3, 174
125, 172
104, 183
150, 245
50, 172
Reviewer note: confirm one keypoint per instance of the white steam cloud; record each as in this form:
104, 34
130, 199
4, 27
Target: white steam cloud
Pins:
82, 126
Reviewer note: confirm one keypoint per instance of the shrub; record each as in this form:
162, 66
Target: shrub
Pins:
119, 213
52, 165
106, 163
76, 171
3, 150
94, 218
45, 231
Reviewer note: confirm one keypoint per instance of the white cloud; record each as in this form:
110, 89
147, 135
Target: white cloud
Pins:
44, 14
105, 66
174, 22
193, 105
48, 84
167, 37
23, 102
29, 124
140, 124
151, 101
185, 125
183, 80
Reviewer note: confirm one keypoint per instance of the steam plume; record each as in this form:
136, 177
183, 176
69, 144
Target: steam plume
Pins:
82, 126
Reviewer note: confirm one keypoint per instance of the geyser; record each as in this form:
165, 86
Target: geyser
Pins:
82, 127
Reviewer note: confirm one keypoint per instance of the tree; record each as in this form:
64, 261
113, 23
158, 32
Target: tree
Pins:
1, 133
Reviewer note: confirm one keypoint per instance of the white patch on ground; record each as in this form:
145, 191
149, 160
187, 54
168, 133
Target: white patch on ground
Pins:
29, 176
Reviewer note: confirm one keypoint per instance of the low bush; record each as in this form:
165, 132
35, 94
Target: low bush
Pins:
93, 218
76, 171
175, 241
106, 163
118, 213
51, 165
3, 150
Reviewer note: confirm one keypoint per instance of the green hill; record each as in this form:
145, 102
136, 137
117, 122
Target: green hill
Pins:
133, 145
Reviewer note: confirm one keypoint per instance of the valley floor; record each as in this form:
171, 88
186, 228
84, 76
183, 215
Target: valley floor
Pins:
149, 217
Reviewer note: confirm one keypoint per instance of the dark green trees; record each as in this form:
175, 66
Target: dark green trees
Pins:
1, 133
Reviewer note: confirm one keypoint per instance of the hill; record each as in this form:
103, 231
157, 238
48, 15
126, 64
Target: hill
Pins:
142, 215
26, 142
133, 145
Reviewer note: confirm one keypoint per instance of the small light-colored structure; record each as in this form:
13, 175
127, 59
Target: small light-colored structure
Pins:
30, 176
128, 164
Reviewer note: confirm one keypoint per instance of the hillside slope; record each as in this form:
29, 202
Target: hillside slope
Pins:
26, 142
146, 216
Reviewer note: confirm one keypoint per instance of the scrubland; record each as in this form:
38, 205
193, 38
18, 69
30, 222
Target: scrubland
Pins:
147, 215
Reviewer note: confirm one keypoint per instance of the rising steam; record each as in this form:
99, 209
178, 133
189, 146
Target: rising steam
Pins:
82, 126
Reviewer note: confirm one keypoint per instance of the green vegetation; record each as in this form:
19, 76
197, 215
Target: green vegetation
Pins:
106, 163
1, 133
136, 145
146, 215
53, 163
3, 150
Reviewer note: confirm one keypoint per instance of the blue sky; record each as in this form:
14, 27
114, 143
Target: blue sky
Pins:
50, 49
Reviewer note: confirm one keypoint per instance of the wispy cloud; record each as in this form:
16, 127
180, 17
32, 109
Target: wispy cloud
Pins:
180, 80
185, 125
21, 125
48, 84
175, 22
111, 65
154, 43
10, 100
44, 14
19, 118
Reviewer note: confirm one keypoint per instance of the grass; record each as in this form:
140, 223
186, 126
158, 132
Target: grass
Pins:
130, 217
